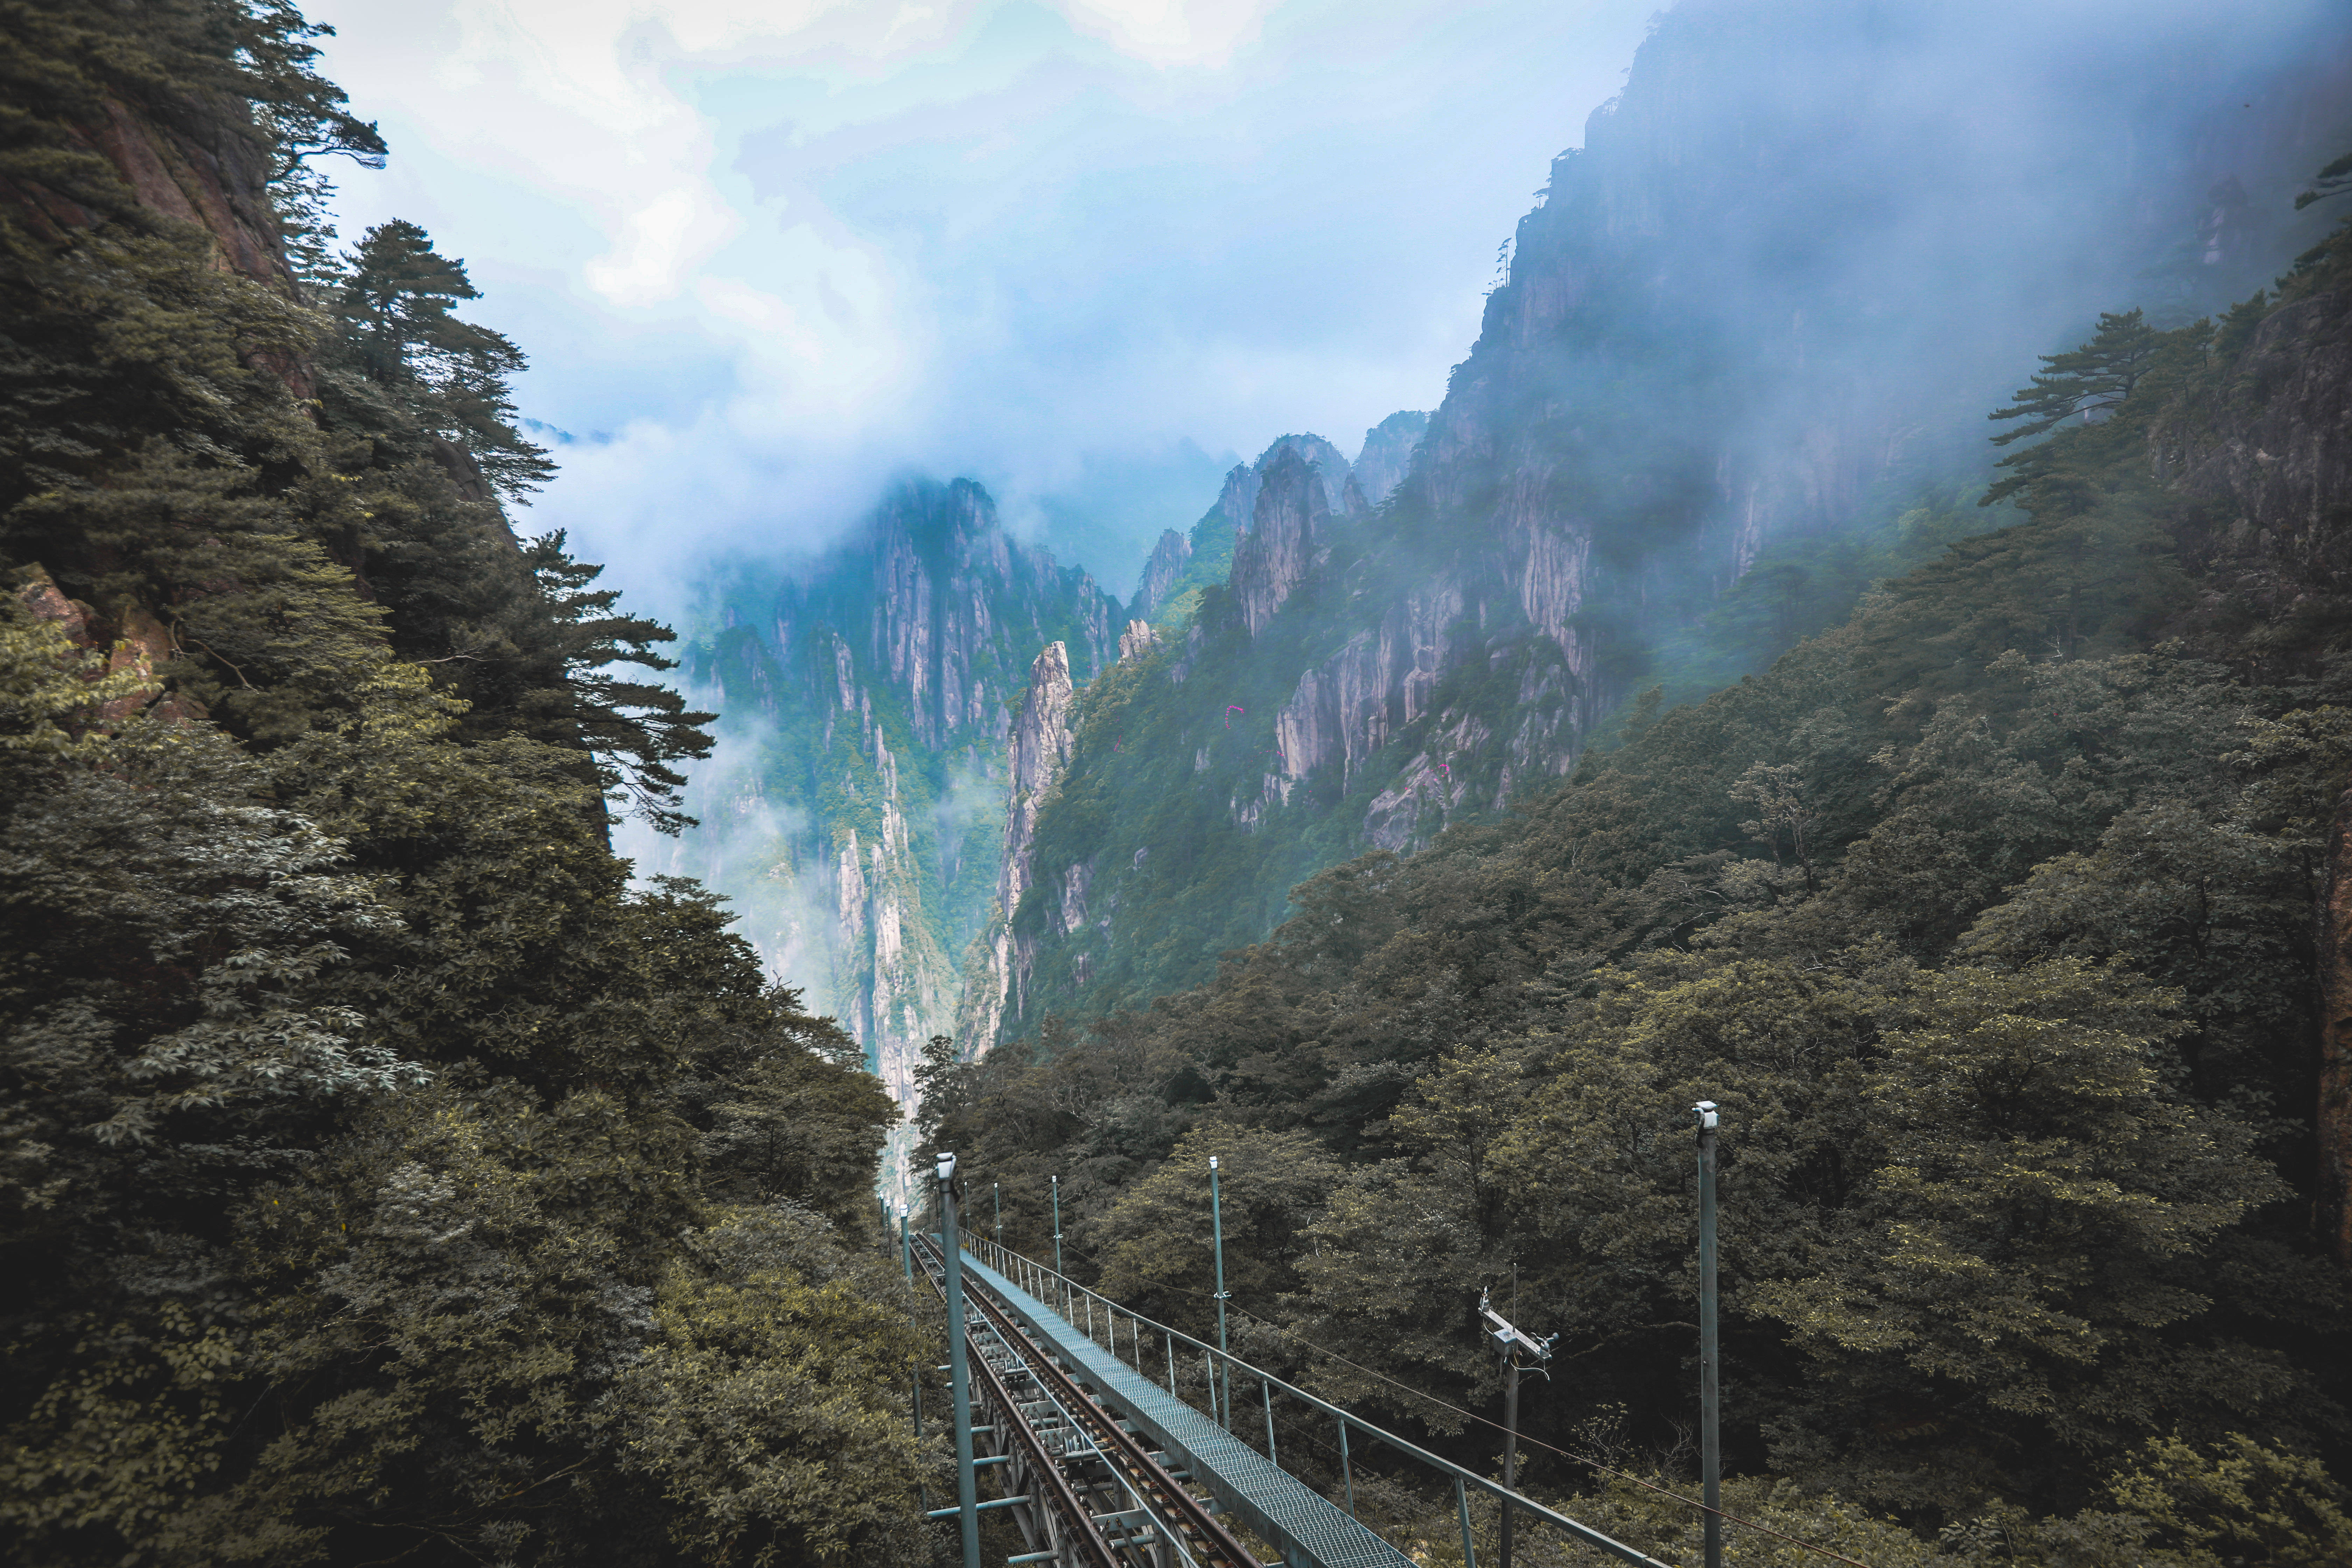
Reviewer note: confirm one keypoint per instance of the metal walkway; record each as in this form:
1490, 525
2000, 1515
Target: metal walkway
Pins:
1309, 1530
1100, 1463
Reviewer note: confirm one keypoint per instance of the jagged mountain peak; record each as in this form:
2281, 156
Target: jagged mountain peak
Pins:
1386, 455
1705, 350
873, 691
1290, 524
1237, 504
1160, 573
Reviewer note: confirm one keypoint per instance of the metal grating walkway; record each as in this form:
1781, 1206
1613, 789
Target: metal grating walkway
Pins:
1307, 1528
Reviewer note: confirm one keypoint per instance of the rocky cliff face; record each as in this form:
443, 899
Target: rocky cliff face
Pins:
1160, 573
189, 161
2265, 466
184, 158
2272, 461
1387, 455
853, 809
997, 972
1737, 322
1238, 502
930, 603
1290, 524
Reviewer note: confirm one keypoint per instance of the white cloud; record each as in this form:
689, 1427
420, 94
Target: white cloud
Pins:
657, 246
1170, 32
776, 249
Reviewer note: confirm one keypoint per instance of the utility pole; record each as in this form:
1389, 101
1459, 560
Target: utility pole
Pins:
1217, 1227
996, 1197
906, 1246
1512, 1342
1710, 1410
959, 1369
1057, 1224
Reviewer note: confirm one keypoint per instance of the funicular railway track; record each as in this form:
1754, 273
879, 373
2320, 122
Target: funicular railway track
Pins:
1113, 1503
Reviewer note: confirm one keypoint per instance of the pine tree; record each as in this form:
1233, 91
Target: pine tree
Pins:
398, 300
634, 729
2097, 375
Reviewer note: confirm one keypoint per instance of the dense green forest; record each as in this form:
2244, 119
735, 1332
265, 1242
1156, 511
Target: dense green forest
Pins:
387, 1179
1988, 916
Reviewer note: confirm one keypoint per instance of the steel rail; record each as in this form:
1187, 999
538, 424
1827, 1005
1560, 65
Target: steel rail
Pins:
1176, 1506
1175, 1509
1094, 1549
1079, 1529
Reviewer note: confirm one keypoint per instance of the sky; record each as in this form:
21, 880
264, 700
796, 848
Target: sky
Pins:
766, 254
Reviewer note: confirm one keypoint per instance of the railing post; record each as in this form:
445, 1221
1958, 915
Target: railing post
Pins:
1462, 1506
959, 1371
1347, 1471
1266, 1390
1710, 1410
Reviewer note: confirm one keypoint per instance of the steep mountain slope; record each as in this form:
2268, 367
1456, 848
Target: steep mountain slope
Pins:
1738, 369
1268, 518
339, 1058
1987, 918
853, 812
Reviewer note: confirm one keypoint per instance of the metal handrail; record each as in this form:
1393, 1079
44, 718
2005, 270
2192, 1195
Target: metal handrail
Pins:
1464, 1479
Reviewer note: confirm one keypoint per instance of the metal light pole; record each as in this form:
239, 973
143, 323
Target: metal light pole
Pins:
959, 1371
996, 1197
1710, 1412
906, 1246
1511, 1340
1057, 1224
1217, 1229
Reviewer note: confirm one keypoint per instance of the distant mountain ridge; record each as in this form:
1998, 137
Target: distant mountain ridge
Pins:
1737, 368
892, 731
1731, 375
853, 811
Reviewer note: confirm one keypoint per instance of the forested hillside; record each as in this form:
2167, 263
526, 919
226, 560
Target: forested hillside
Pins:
2006, 921
386, 1178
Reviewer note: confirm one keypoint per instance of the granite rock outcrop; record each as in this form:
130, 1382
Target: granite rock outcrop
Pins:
997, 974
1290, 524
871, 697
1160, 572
